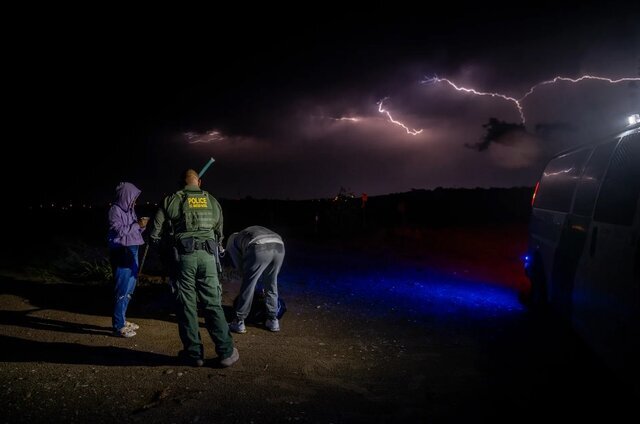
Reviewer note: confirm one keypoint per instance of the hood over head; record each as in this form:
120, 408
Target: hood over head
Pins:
126, 193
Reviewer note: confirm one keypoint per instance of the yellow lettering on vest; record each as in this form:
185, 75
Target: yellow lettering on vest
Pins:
197, 202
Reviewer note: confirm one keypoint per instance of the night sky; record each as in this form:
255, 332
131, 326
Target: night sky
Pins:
104, 96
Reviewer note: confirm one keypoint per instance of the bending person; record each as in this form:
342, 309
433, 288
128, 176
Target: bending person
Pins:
258, 253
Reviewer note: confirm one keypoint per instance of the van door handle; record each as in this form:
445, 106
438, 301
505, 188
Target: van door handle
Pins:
594, 239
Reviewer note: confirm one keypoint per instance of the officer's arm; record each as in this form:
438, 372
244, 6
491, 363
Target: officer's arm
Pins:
158, 222
218, 230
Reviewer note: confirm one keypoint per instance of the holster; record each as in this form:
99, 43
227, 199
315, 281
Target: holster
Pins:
213, 248
185, 246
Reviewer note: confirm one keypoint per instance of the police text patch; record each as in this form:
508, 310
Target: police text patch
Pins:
197, 202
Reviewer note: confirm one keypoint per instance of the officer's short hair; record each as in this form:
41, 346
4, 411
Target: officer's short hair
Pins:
190, 176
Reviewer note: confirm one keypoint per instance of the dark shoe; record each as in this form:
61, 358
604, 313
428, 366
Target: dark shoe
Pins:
227, 362
189, 360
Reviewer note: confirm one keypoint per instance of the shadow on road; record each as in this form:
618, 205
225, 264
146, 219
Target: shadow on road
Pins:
24, 319
540, 368
149, 301
20, 350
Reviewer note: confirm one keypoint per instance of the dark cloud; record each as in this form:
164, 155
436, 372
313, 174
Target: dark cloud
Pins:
498, 132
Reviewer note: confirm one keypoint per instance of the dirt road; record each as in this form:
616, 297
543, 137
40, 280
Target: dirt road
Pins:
367, 338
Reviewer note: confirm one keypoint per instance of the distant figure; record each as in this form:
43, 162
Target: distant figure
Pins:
257, 252
196, 221
125, 236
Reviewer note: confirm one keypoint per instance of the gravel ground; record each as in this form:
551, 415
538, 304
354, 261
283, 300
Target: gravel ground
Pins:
369, 337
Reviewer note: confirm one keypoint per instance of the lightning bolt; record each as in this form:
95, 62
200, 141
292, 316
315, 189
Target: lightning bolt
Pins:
400, 124
211, 136
346, 118
518, 102
576, 80
477, 93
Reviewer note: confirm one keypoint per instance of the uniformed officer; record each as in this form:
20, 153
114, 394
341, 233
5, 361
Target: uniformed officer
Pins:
196, 219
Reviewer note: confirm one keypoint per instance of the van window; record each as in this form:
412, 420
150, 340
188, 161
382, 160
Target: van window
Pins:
559, 181
591, 178
618, 197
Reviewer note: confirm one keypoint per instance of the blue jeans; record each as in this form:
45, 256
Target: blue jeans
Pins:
124, 263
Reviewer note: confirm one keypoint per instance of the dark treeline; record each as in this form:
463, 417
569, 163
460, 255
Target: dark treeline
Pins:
63, 238
343, 215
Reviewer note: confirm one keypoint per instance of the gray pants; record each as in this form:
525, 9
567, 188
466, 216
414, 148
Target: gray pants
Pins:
261, 261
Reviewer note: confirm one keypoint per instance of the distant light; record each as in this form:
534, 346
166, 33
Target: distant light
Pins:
634, 119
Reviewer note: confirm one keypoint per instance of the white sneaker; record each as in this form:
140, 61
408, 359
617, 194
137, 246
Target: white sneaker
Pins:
227, 362
237, 326
124, 332
131, 325
272, 324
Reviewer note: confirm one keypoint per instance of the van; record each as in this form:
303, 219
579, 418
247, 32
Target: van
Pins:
583, 259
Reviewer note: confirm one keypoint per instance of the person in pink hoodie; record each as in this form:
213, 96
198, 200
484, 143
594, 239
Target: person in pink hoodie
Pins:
125, 237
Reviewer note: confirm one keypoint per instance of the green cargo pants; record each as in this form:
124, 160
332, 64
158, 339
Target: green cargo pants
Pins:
197, 280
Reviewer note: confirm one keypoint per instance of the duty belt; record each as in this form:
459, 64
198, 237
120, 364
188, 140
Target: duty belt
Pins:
199, 245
